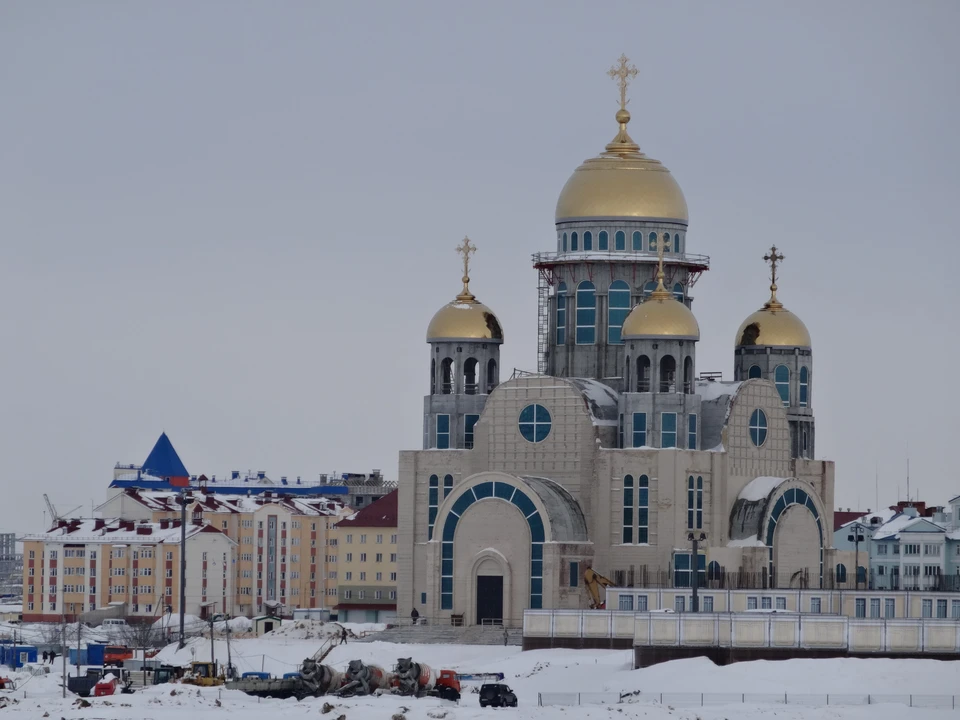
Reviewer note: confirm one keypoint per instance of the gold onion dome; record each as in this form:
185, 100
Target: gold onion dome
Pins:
773, 325
466, 318
622, 181
661, 315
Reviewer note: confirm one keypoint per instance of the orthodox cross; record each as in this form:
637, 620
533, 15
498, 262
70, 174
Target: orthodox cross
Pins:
622, 74
663, 245
466, 250
773, 257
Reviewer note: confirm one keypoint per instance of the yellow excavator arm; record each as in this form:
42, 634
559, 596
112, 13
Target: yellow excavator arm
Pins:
594, 580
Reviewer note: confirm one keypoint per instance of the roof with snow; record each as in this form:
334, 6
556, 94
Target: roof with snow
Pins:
381, 513
868, 520
601, 400
166, 501
116, 530
163, 461
900, 523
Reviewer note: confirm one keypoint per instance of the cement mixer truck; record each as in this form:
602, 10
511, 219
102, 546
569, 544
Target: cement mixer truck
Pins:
420, 680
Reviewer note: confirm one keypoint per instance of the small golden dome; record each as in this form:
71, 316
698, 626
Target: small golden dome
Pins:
773, 325
661, 316
465, 319
622, 182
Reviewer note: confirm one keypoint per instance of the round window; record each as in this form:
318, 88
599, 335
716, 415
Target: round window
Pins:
758, 427
534, 423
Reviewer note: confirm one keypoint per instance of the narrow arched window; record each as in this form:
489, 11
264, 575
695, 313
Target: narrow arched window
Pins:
627, 367
618, 300
678, 292
588, 240
841, 573
561, 313
564, 242
804, 384
637, 241
586, 313
627, 537
677, 244
574, 242
470, 378
754, 372
433, 376
446, 376
688, 375
643, 504
447, 485
713, 571
781, 378
667, 245
649, 288
652, 237
668, 374
493, 378
620, 240
603, 240
643, 374
433, 500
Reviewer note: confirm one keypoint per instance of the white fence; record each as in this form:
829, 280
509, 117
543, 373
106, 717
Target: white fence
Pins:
749, 630
944, 702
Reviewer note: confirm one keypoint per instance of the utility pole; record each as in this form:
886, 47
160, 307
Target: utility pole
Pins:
182, 497
695, 569
63, 648
229, 657
78, 645
212, 606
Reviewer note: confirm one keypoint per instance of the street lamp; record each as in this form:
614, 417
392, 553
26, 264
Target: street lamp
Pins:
183, 498
696, 539
856, 537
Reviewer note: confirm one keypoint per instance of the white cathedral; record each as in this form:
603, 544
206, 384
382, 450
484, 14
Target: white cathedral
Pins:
614, 456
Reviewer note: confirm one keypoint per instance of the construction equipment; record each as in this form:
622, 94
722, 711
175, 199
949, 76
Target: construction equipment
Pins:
594, 580
313, 680
419, 680
54, 515
203, 674
363, 679
7, 684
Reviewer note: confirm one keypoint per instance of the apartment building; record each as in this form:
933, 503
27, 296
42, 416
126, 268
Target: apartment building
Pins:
365, 545
82, 565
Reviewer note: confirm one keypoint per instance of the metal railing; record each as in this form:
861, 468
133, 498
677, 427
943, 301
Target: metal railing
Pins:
946, 702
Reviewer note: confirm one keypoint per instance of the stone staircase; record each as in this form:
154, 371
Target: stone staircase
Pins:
446, 635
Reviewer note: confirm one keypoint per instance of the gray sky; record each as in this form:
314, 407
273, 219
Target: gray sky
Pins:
233, 220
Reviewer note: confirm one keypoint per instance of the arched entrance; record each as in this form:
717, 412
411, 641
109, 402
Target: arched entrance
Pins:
490, 578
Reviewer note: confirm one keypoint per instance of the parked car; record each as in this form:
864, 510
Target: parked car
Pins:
497, 695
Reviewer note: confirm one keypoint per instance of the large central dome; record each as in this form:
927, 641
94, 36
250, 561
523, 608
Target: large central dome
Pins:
622, 183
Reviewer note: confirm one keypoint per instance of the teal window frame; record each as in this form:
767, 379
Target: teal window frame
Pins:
447, 485
652, 242
469, 422
692, 431
678, 292
643, 510
627, 535
574, 574
637, 241
534, 423
562, 314
682, 576
443, 432
433, 501
586, 331
668, 430
620, 240
603, 240
782, 381
754, 372
804, 385
639, 429
587, 241
758, 427
618, 307
564, 245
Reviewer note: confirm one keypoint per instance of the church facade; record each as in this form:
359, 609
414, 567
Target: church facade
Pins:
614, 455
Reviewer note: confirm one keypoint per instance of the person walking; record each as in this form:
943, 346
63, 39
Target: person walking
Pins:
415, 616
506, 635
45, 655
343, 636
53, 656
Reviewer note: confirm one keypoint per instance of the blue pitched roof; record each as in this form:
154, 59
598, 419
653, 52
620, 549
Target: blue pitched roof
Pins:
163, 461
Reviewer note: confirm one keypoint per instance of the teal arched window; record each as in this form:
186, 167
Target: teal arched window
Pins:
561, 313
618, 300
586, 313
643, 509
781, 378
804, 385
678, 291
564, 244
447, 484
574, 242
754, 372
695, 503
433, 500
588, 240
676, 243
627, 509
841, 573
620, 240
758, 427
637, 241
653, 242
603, 240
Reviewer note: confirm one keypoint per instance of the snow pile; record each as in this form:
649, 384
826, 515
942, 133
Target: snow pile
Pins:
759, 488
318, 629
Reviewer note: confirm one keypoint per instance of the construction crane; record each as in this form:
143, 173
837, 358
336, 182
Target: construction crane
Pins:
594, 580
54, 516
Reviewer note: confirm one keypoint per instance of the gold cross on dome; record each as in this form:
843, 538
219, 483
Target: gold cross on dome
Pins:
466, 250
773, 257
663, 245
622, 74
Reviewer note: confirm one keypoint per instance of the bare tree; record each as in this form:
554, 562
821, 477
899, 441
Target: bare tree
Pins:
141, 635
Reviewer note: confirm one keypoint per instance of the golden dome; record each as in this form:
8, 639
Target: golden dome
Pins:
466, 318
661, 315
773, 324
622, 182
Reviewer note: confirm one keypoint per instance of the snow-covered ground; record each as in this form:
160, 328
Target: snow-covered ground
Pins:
528, 673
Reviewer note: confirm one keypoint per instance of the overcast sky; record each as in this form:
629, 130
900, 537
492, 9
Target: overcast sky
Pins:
233, 220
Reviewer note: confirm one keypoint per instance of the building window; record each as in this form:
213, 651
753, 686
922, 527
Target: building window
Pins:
955, 609
468, 423
889, 608
751, 603
588, 240
781, 377
643, 513
443, 432
564, 245
620, 432
586, 313
618, 300
637, 241
627, 509
678, 292
561, 313
692, 432
447, 484
620, 240
695, 503
927, 608
874, 607
841, 573
861, 607
652, 242
708, 603
626, 602
668, 374
446, 376
754, 372
941, 608
815, 605
680, 604
574, 242
668, 430
648, 288
681, 569
758, 427
643, 374
432, 502
603, 240
534, 423
574, 574
639, 429
804, 383
676, 243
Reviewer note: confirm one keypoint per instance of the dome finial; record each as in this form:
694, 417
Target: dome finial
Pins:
663, 245
466, 250
622, 72
773, 258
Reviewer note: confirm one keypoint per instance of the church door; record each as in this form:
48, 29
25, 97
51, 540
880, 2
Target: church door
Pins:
489, 598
